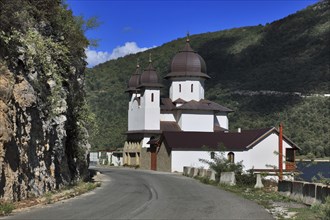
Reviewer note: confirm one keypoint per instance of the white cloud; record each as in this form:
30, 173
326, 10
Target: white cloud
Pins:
95, 57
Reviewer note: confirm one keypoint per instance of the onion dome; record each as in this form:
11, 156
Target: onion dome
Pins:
134, 81
187, 63
149, 77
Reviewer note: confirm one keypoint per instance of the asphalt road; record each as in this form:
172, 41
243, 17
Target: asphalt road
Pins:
135, 194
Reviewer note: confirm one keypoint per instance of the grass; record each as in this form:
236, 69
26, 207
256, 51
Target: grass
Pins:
263, 196
6, 208
268, 197
69, 191
49, 197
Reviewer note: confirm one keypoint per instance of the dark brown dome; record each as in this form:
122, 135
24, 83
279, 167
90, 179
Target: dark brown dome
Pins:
134, 81
187, 63
149, 78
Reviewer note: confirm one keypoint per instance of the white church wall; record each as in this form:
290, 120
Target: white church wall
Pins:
191, 158
188, 158
190, 89
222, 120
135, 116
196, 121
259, 157
167, 117
265, 153
150, 109
152, 119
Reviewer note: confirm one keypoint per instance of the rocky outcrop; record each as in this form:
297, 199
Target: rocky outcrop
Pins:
43, 140
33, 151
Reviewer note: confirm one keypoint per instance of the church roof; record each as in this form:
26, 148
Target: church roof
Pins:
149, 77
232, 141
202, 105
134, 81
218, 128
187, 63
169, 126
166, 104
180, 101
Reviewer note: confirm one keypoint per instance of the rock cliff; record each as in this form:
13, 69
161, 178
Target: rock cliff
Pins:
43, 142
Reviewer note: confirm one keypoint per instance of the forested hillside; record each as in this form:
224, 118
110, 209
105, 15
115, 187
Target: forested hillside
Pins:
289, 55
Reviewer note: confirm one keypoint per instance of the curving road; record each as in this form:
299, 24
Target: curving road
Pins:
135, 194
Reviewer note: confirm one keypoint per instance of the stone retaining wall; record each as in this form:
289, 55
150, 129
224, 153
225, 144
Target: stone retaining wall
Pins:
309, 193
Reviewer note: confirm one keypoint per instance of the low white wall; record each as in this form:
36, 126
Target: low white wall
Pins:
196, 121
222, 120
189, 159
167, 117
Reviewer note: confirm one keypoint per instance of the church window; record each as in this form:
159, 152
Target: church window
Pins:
231, 157
152, 97
192, 88
179, 87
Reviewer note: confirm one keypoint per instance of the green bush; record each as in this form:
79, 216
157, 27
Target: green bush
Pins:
6, 208
325, 210
245, 179
220, 164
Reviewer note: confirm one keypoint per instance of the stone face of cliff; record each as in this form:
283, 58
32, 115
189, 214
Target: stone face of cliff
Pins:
43, 142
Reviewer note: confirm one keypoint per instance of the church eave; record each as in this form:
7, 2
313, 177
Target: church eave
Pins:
186, 74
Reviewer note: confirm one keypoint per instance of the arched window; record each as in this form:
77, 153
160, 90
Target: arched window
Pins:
152, 97
212, 155
179, 87
192, 87
231, 157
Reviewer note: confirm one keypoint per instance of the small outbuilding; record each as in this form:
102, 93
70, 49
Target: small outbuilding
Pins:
257, 149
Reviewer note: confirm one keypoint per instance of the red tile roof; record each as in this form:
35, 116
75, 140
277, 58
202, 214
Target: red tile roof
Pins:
166, 104
232, 141
169, 126
202, 105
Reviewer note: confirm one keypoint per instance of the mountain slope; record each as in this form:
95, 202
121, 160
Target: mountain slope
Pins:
288, 55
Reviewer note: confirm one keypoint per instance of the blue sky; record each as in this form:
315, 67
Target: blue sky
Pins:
133, 26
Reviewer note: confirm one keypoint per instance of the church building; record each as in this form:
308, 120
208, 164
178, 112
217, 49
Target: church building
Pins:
166, 134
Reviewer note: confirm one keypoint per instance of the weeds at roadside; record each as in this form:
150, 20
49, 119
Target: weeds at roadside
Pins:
269, 198
6, 208
49, 197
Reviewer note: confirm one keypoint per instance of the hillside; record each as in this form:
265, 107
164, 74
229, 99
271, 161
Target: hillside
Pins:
289, 55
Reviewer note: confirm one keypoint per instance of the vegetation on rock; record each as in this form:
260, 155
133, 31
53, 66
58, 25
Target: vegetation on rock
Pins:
43, 140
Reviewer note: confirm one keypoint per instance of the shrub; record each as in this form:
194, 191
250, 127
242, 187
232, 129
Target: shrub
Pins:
220, 164
6, 208
326, 209
245, 179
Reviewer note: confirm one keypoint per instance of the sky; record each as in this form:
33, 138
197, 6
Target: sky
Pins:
132, 26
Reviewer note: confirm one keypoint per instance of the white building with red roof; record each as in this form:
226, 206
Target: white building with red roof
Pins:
167, 134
